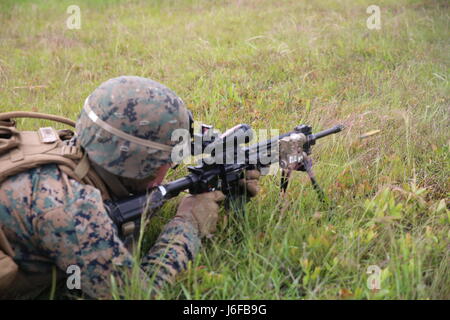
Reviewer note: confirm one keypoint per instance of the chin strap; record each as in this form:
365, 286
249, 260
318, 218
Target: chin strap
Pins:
112, 182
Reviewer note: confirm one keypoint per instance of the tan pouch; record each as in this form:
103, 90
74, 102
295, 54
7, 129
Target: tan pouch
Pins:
8, 271
8, 268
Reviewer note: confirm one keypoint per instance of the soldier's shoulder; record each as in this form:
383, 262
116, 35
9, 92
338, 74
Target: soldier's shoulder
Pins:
30, 179
45, 188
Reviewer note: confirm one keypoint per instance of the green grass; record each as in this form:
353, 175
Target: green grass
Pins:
275, 64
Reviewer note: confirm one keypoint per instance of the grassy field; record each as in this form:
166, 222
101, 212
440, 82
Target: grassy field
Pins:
275, 64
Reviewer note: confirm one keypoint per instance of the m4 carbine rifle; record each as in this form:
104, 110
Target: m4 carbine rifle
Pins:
222, 170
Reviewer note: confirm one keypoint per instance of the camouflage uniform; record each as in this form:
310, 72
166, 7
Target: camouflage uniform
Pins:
50, 219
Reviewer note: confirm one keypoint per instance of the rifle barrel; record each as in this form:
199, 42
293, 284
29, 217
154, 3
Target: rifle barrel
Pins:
327, 132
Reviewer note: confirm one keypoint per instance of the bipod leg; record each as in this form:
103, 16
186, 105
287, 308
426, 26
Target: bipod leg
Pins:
307, 164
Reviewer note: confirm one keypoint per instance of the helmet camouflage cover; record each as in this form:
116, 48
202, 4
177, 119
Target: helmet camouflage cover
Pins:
126, 125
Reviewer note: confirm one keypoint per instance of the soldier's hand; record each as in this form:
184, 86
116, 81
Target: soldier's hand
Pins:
202, 210
251, 182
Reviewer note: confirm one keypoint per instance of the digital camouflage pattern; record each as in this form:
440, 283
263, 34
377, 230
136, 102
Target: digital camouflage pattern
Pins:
52, 220
137, 106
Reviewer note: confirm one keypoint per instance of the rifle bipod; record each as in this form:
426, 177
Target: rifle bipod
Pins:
305, 165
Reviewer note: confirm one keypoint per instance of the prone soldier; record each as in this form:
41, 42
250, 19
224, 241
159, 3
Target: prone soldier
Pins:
51, 209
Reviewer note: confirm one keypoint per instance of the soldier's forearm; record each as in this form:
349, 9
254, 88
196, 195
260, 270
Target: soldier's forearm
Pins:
178, 243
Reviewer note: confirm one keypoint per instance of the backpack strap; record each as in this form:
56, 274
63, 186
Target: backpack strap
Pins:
6, 117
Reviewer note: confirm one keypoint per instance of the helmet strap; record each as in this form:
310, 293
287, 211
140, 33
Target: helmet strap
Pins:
113, 182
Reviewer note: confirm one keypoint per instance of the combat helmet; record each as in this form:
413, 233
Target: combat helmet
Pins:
126, 125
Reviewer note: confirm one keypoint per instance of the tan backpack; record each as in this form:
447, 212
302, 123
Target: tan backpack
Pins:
23, 150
